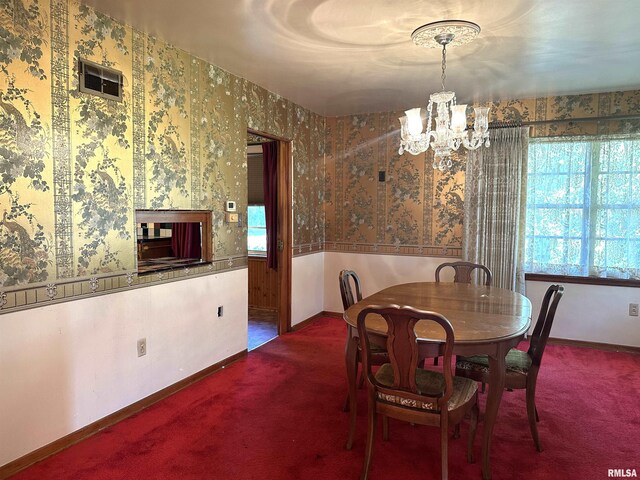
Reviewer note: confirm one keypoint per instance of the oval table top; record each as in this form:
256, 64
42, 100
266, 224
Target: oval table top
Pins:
479, 314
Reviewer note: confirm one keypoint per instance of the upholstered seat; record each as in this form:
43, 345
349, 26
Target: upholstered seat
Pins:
516, 361
400, 389
521, 367
428, 383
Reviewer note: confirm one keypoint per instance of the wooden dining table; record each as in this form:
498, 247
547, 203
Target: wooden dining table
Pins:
486, 321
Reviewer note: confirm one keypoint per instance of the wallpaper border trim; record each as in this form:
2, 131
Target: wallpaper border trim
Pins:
34, 296
306, 249
391, 249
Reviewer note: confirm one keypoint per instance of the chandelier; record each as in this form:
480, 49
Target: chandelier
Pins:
451, 119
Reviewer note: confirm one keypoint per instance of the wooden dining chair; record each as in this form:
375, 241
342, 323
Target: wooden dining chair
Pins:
349, 295
522, 367
351, 292
400, 389
464, 271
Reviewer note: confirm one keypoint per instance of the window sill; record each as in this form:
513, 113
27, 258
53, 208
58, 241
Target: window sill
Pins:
610, 282
257, 254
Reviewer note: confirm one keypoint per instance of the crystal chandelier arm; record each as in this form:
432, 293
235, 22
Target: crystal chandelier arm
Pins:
472, 143
446, 127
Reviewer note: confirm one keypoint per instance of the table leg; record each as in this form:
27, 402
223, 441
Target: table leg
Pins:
351, 360
496, 387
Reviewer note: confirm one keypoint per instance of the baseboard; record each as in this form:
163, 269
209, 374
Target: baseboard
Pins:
56, 446
609, 347
308, 321
305, 323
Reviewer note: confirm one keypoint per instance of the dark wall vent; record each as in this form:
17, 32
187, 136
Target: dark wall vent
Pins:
98, 80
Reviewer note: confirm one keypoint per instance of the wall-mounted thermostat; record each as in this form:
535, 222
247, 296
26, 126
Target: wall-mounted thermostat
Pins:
229, 206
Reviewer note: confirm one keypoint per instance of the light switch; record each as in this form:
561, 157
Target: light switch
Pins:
231, 217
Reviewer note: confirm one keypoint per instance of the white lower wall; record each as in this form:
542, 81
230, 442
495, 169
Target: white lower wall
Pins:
590, 313
376, 272
307, 286
67, 365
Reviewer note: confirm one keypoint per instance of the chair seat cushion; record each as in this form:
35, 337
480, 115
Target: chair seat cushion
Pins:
516, 361
429, 383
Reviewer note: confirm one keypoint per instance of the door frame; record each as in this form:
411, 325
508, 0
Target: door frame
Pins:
285, 220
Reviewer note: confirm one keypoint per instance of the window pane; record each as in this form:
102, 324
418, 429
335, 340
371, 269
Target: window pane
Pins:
583, 207
554, 255
257, 216
257, 239
257, 231
555, 222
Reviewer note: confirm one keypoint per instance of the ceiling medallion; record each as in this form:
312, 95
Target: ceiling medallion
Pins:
461, 31
451, 120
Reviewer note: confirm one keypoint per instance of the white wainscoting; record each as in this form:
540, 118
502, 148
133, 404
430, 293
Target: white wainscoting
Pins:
589, 313
377, 272
67, 365
307, 286
592, 313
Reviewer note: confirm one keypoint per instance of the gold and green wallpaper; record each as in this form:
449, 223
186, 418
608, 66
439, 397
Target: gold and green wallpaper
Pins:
75, 166
419, 211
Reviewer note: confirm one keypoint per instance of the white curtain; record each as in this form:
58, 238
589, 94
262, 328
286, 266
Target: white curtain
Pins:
495, 206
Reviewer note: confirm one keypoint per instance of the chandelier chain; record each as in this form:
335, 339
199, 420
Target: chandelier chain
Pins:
444, 64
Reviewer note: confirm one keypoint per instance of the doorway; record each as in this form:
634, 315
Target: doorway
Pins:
269, 287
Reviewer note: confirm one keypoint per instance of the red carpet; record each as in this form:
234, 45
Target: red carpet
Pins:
276, 415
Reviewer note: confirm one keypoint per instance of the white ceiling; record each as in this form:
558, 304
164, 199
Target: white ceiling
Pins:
338, 57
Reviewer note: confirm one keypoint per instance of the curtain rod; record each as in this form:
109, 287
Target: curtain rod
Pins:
508, 124
516, 123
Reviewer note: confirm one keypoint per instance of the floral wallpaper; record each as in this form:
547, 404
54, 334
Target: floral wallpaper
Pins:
101, 141
26, 240
417, 210
75, 166
413, 206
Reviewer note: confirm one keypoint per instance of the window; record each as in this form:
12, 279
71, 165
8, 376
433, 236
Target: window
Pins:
583, 207
257, 235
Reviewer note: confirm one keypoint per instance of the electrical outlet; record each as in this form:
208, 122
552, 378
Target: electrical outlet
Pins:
633, 309
142, 347
220, 311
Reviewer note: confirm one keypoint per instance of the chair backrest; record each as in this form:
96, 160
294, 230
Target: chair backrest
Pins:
347, 293
541, 331
464, 270
402, 346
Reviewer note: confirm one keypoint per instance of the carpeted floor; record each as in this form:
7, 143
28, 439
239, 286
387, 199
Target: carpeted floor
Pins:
275, 415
